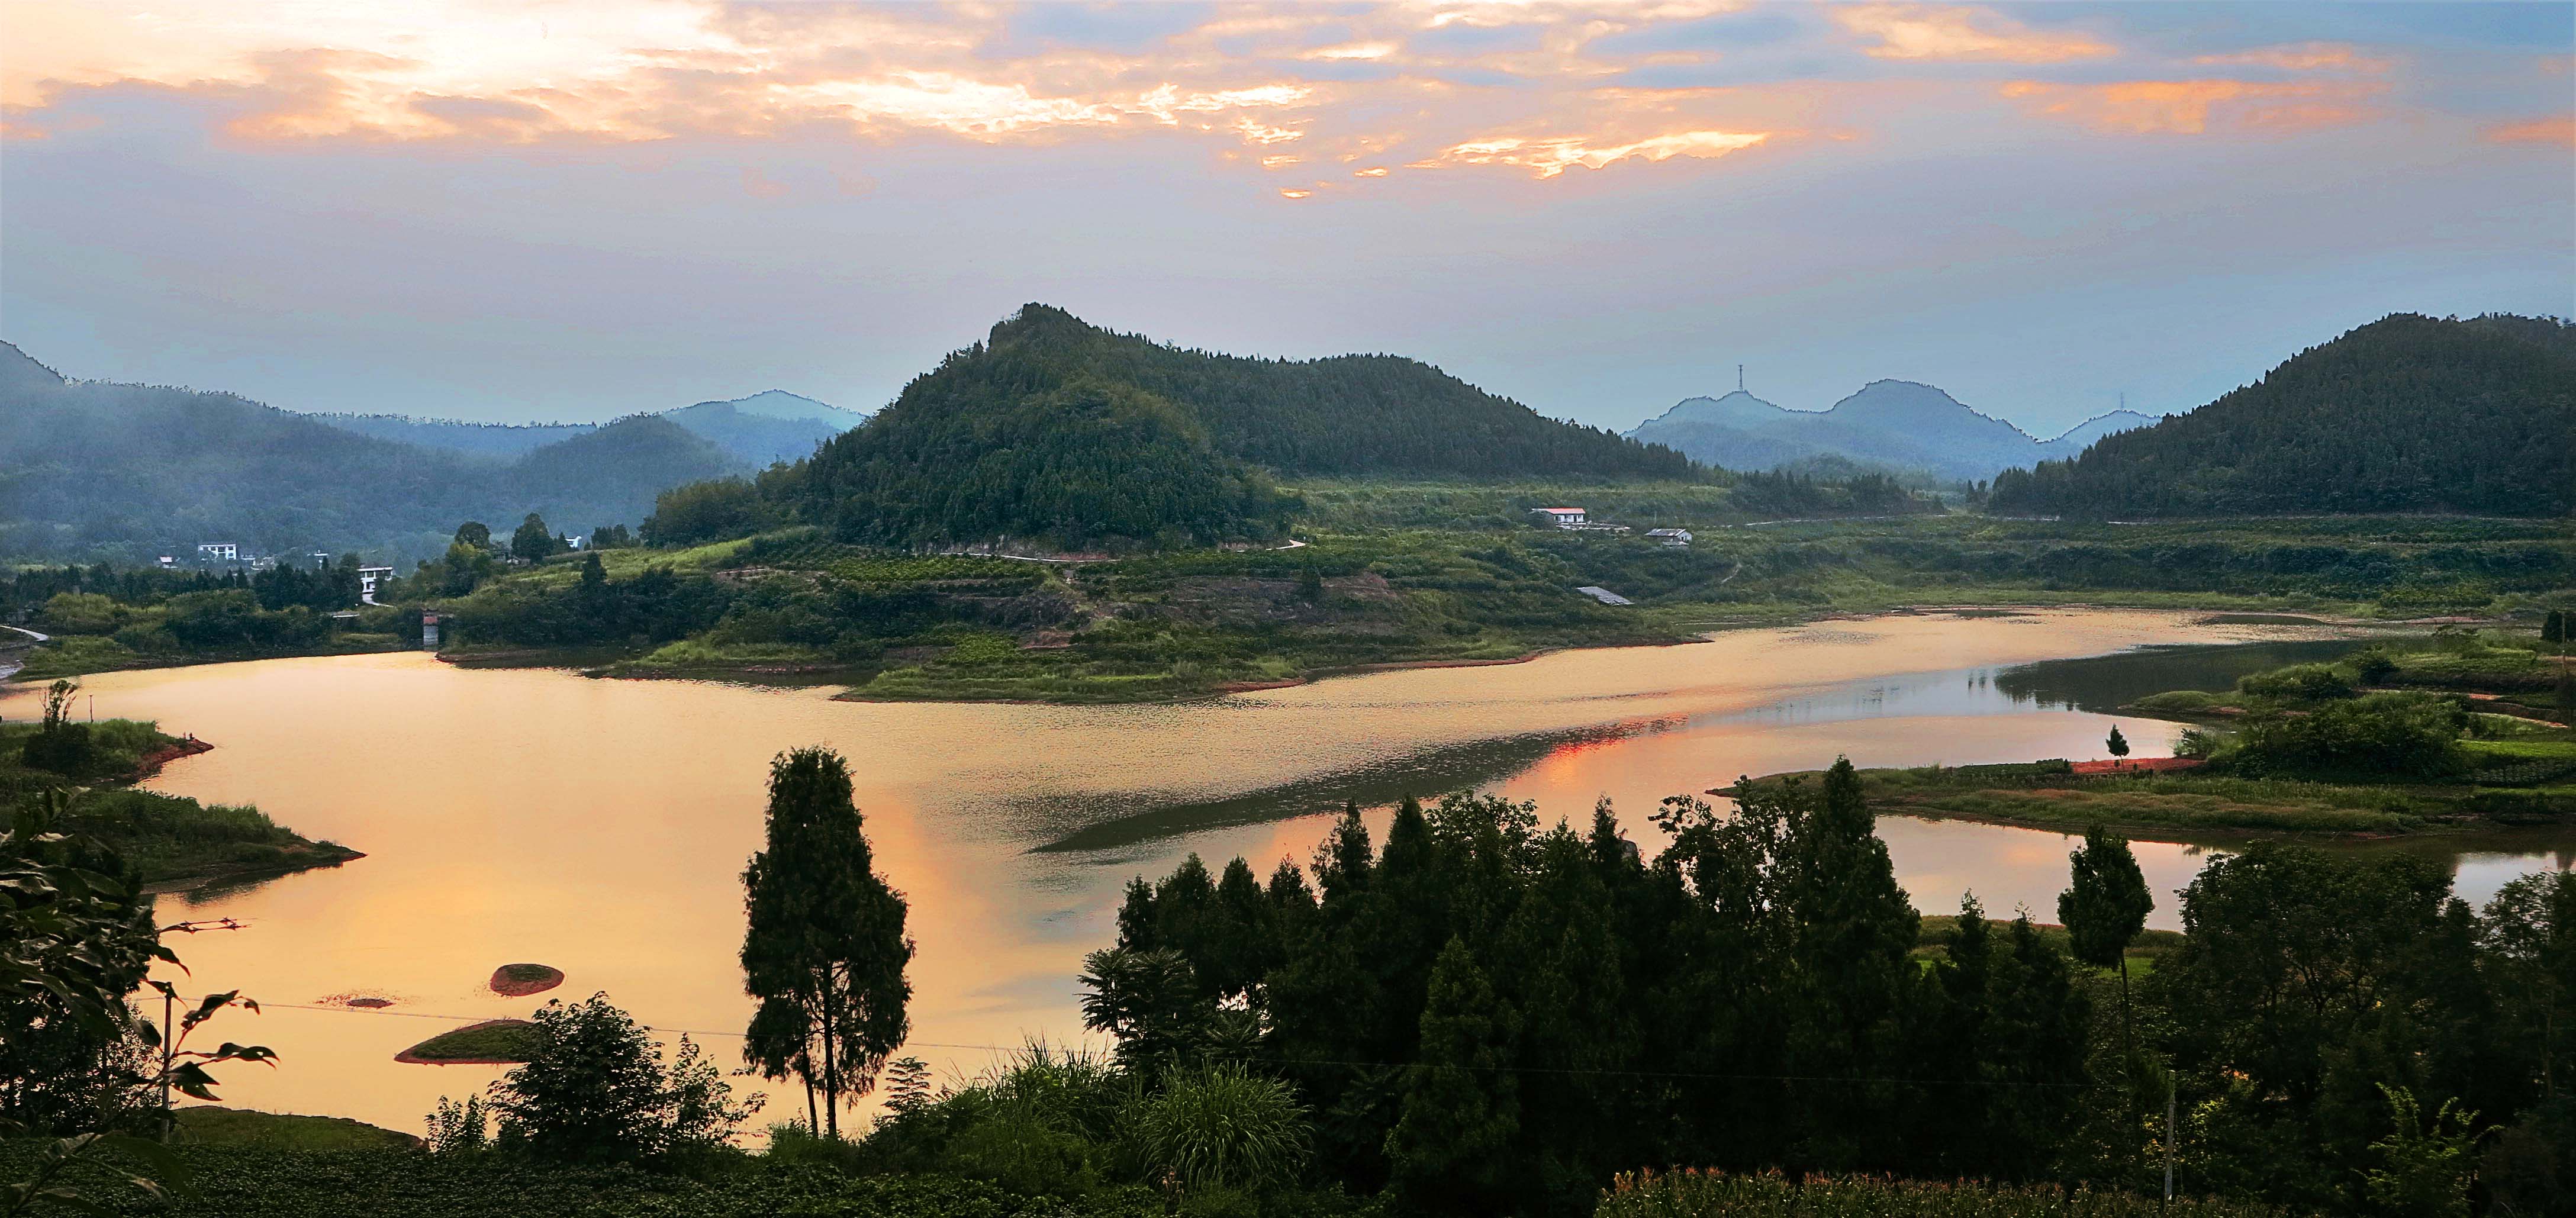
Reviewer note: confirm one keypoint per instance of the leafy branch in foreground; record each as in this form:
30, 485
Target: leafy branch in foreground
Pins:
76, 937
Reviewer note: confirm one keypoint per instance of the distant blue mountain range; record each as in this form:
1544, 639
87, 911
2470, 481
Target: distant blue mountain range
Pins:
767, 427
1900, 426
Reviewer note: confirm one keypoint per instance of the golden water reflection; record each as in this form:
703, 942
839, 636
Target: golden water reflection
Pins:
601, 826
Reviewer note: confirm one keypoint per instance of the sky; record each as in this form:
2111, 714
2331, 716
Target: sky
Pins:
509, 210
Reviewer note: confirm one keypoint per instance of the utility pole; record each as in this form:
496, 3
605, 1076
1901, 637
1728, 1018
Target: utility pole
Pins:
2169, 1137
171, 1049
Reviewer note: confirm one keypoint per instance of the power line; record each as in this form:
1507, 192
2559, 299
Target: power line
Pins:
1571, 1071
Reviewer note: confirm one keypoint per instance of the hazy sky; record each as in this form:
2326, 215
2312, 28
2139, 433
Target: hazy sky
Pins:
511, 210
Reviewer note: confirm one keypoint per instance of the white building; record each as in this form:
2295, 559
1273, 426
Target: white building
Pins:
1563, 518
1671, 537
370, 579
218, 551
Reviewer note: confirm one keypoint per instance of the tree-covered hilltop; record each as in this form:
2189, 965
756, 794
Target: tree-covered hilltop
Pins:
1346, 415
1058, 431
1077, 462
2406, 414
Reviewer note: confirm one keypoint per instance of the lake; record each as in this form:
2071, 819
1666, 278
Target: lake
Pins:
601, 826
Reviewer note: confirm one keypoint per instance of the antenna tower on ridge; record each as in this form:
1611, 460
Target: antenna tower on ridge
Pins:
1739, 378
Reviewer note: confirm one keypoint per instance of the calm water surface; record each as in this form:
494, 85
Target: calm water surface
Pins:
601, 826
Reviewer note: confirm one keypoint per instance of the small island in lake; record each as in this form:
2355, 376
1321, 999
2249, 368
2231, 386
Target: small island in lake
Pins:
173, 841
521, 980
2462, 730
493, 1042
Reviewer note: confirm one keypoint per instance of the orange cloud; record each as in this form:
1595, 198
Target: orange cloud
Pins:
2194, 107
2559, 130
2301, 57
1908, 31
1553, 156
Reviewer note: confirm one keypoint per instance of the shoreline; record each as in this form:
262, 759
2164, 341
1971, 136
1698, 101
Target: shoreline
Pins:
775, 674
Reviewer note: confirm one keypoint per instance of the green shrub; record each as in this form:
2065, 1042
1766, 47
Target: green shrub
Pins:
1709, 1194
2298, 684
2387, 736
1222, 1126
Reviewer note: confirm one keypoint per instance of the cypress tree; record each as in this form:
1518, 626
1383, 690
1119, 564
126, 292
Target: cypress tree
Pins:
823, 946
1450, 1148
2105, 905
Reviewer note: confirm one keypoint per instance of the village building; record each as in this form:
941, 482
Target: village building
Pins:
1561, 517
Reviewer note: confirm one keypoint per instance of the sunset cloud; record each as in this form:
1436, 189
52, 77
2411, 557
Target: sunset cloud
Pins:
1553, 156
2195, 107
2302, 57
2560, 130
1908, 31
1398, 86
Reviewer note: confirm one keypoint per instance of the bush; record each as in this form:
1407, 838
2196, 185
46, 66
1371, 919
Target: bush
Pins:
2385, 736
82, 613
596, 1091
2298, 684
1222, 1126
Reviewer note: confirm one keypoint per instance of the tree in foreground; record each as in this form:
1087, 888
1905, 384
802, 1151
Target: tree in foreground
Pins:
2105, 905
824, 949
595, 1091
2117, 743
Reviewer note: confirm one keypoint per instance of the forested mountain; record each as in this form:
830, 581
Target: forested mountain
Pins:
1899, 426
500, 441
92, 469
2406, 414
1345, 415
1056, 429
611, 475
765, 428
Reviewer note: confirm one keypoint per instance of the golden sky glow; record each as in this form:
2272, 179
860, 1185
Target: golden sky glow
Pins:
1541, 88
576, 209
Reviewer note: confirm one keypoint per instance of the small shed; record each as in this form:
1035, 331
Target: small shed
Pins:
1671, 537
1604, 595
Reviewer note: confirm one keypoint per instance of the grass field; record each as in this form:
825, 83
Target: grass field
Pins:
209, 1125
498, 1040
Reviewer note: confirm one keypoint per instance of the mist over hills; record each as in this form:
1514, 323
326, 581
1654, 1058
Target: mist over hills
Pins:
1900, 426
763, 429
93, 469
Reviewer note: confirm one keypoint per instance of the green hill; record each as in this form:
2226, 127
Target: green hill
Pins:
92, 470
2406, 414
612, 474
1056, 429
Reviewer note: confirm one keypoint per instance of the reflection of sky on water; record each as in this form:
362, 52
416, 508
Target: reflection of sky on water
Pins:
2100, 684
617, 856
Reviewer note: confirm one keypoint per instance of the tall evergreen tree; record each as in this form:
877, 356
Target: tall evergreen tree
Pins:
1461, 1111
2105, 905
824, 948
1850, 965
